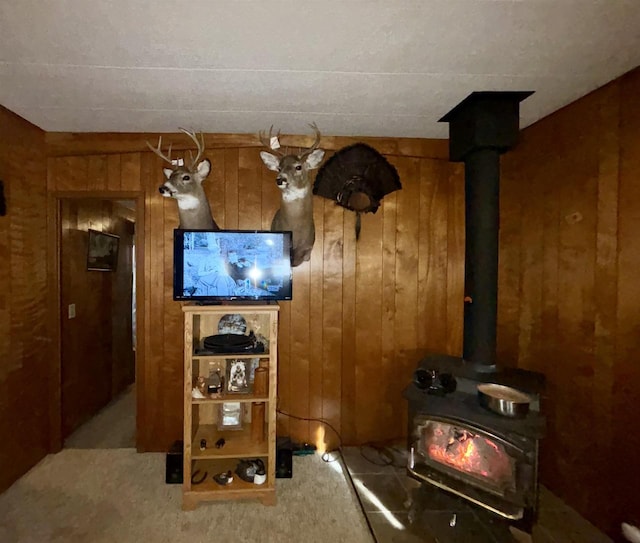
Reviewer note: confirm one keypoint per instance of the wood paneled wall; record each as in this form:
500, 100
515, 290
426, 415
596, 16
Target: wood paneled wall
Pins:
97, 359
363, 313
569, 296
24, 349
123, 359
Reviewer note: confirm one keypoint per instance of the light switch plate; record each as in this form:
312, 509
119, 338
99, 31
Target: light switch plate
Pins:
72, 311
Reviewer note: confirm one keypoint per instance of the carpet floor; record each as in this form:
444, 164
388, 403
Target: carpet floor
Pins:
113, 427
118, 495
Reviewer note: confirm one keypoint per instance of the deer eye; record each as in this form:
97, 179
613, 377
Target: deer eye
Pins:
298, 167
186, 177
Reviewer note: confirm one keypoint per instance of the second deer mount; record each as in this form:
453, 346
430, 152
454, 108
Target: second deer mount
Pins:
296, 204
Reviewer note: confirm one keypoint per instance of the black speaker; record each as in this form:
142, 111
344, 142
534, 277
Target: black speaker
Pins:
284, 463
173, 470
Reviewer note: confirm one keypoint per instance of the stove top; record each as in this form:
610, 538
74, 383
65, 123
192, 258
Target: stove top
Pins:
463, 404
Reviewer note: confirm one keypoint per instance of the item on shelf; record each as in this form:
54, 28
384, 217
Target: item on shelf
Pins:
201, 384
196, 394
261, 378
220, 443
214, 383
196, 478
224, 478
230, 343
237, 375
232, 323
257, 422
251, 471
262, 343
252, 366
203, 444
230, 416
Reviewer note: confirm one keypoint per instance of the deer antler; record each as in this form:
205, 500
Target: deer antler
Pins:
266, 141
199, 144
158, 151
315, 143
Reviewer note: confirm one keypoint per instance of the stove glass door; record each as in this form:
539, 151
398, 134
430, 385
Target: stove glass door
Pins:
467, 453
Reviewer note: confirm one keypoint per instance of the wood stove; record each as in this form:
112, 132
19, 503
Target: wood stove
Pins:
461, 447
454, 442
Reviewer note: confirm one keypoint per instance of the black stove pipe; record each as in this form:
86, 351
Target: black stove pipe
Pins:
482, 127
481, 252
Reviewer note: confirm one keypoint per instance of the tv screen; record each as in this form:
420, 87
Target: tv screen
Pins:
224, 265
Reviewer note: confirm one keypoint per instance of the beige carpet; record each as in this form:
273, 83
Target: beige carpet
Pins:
113, 427
119, 496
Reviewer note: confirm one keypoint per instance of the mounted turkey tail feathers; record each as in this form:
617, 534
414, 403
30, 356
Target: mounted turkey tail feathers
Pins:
357, 177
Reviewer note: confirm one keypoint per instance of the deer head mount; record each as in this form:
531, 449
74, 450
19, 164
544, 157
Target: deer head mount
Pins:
296, 207
184, 184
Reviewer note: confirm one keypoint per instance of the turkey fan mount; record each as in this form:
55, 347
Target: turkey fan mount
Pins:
357, 178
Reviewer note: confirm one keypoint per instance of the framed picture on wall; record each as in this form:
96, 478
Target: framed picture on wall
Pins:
102, 253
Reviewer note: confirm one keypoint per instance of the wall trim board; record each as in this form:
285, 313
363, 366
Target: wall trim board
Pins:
59, 144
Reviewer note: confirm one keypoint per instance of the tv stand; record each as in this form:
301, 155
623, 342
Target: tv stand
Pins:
253, 434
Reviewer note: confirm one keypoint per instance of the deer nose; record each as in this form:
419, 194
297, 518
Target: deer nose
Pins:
280, 181
163, 189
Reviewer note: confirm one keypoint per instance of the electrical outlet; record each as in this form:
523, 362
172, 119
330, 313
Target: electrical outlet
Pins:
72, 311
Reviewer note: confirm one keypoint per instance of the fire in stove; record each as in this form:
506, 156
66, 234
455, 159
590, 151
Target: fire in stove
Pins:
462, 450
496, 469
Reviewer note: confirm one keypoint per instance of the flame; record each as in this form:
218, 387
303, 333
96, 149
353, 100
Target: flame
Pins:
463, 450
463, 455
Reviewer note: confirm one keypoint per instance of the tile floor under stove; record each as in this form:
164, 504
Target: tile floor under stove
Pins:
400, 510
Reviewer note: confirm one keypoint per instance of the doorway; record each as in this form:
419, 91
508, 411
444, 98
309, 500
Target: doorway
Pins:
97, 258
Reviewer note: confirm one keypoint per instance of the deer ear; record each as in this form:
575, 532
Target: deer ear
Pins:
167, 172
270, 161
315, 158
204, 168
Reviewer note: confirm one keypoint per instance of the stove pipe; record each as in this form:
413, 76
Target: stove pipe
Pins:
481, 128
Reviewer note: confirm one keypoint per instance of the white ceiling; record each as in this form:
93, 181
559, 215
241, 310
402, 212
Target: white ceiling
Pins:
355, 67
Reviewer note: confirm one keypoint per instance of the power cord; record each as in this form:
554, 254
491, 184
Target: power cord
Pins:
382, 453
326, 456
385, 451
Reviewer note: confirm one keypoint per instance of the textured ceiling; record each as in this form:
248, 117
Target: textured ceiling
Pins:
368, 68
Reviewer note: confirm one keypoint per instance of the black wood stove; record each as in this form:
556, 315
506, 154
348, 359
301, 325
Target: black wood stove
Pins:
454, 443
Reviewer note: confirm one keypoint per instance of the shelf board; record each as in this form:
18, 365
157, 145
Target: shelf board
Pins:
224, 356
206, 493
230, 397
212, 467
209, 490
237, 486
238, 444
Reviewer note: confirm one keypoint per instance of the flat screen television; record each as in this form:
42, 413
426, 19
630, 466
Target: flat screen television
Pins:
223, 265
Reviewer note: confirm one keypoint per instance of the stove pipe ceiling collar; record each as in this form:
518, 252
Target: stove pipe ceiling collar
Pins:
481, 128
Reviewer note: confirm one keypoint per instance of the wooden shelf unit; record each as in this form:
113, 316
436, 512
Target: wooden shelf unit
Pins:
200, 415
